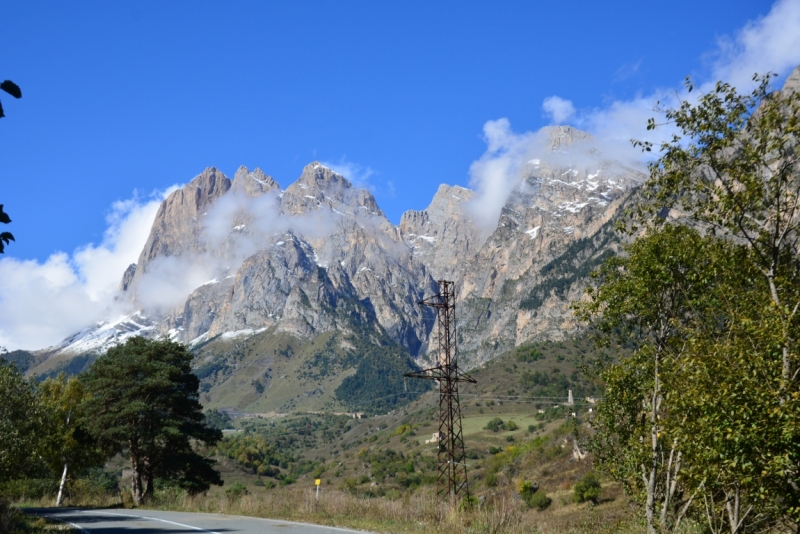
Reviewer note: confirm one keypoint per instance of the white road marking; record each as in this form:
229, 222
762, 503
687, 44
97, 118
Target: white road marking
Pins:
73, 525
152, 519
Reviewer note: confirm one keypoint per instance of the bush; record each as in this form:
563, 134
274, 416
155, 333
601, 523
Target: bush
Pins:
495, 450
166, 490
526, 489
29, 488
236, 491
510, 425
103, 480
529, 355
495, 425
588, 489
539, 500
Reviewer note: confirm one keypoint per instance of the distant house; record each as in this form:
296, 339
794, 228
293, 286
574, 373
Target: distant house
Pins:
435, 437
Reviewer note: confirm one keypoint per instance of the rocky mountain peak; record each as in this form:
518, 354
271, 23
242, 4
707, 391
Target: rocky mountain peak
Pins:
319, 186
253, 183
563, 136
317, 176
203, 190
175, 229
443, 234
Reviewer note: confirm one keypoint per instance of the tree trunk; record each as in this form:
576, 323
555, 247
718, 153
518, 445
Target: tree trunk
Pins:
64, 475
137, 491
61, 486
650, 504
786, 358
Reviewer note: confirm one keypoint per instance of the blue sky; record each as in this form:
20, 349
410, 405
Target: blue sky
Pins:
122, 100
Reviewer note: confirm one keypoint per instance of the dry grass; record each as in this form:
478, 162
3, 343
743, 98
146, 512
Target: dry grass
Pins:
502, 512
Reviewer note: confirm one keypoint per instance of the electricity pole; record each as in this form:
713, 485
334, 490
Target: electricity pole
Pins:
451, 479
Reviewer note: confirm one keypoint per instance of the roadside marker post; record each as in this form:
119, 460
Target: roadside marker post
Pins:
318, 482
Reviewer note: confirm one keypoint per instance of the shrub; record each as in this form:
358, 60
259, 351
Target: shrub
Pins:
588, 489
104, 481
495, 450
495, 425
539, 500
529, 356
468, 503
29, 488
510, 425
526, 489
236, 491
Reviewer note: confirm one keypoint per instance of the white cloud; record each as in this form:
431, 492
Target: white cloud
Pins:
495, 175
500, 169
770, 43
42, 303
558, 109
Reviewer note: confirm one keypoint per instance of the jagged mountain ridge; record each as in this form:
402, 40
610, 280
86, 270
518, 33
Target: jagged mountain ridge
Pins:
297, 259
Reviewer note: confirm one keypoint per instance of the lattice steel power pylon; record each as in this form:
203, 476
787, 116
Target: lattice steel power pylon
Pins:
451, 479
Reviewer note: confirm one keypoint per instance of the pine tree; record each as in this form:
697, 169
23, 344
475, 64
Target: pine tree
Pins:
144, 403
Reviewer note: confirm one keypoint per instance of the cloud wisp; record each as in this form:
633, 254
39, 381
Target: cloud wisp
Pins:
358, 175
558, 109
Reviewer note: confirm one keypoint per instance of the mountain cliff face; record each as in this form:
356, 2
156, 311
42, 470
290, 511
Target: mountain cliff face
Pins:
232, 259
558, 207
307, 297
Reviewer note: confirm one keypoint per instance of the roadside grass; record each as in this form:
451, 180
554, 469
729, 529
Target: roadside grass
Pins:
15, 521
502, 512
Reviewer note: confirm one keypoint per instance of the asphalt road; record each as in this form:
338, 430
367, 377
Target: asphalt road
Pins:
121, 521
